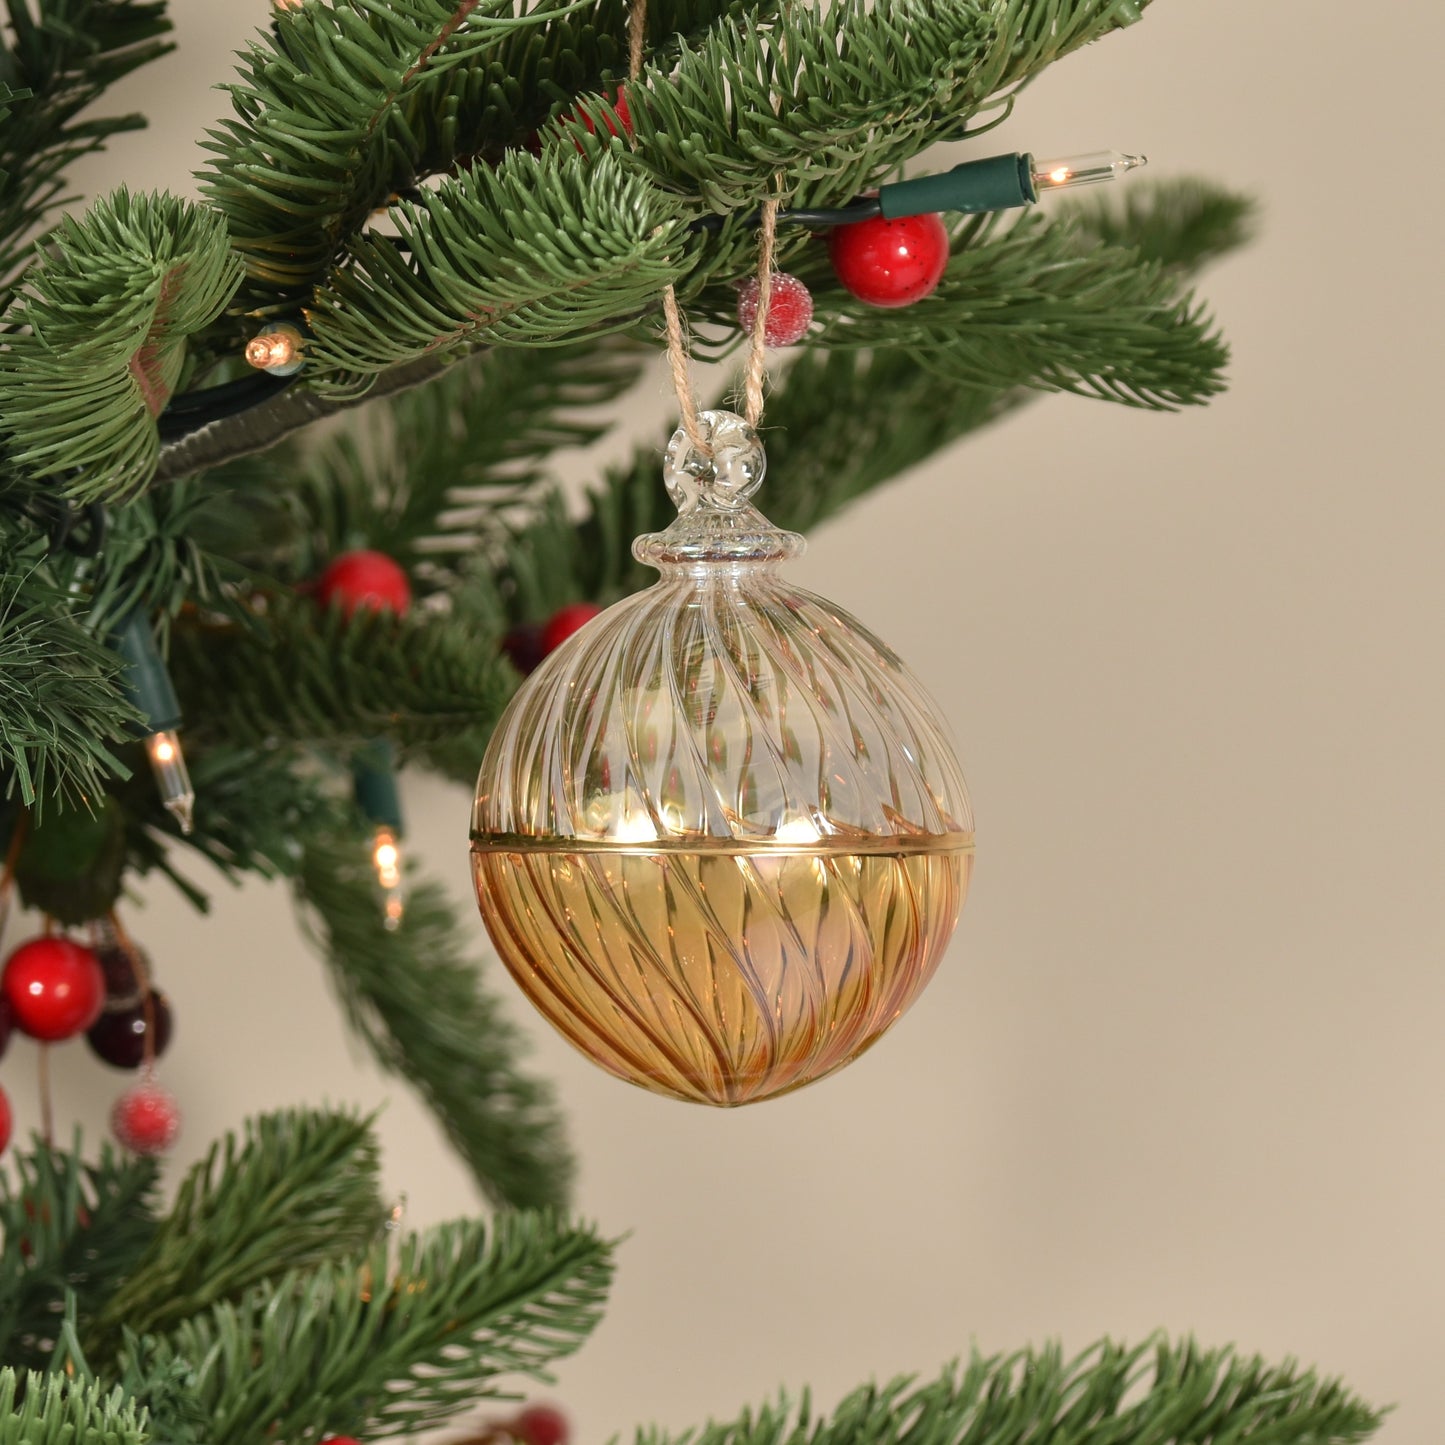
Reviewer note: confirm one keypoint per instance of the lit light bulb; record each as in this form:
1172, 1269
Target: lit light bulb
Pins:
1086, 170
173, 782
386, 859
277, 349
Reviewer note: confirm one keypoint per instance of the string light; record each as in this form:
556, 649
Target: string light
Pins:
277, 349
386, 859
373, 775
173, 781
148, 685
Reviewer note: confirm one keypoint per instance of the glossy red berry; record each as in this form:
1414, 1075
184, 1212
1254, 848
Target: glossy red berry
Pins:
790, 309
118, 1036
565, 621
146, 1119
618, 103
366, 581
54, 987
541, 1425
7, 1122
890, 263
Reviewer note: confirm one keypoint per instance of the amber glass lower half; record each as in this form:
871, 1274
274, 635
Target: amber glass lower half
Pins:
723, 976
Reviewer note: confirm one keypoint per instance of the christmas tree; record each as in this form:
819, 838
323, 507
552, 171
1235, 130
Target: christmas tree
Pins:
462, 220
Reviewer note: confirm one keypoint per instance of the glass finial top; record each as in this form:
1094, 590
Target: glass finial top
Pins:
710, 487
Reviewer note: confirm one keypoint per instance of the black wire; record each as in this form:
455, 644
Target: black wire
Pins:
193, 410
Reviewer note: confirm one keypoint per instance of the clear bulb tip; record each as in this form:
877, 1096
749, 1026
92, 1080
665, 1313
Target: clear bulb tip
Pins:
182, 809
1084, 170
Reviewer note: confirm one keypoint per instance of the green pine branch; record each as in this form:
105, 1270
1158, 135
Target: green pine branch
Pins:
312, 676
61, 714
61, 57
1153, 1394
1182, 222
369, 1346
300, 1190
828, 98
1045, 305
68, 1227
423, 476
40, 1409
106, 319
348, 107
540, 250
423, 1011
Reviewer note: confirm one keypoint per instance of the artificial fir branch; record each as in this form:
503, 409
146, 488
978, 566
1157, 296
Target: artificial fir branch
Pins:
62, 717
1044, 305
309, 676
107, 317
1157, 1393
423, 1010
369, 1345
1182, 222
40, 1409
423, 476
58, 62
541, 249
299, 1189
68, 1228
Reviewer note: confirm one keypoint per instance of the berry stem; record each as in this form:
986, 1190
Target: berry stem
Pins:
47, 1110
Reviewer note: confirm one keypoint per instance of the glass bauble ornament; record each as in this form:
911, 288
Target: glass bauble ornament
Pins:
720, 838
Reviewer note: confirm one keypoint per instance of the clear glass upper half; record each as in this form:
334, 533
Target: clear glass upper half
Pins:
722, 704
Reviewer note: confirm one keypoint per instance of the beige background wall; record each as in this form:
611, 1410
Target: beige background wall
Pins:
1183, 1064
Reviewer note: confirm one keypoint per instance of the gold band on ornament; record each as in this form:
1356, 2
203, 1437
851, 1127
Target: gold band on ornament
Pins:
838, 844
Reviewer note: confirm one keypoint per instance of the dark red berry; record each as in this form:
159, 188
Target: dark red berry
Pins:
523, 647
118, 1036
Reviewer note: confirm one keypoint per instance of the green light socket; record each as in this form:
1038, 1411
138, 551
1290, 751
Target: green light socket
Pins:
996, 183
145, 681
373, 775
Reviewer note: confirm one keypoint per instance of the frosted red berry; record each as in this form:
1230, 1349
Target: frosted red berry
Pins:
365, 581
146, 1119
541, 1425
55, 988
790, 309
890, 263
565, 621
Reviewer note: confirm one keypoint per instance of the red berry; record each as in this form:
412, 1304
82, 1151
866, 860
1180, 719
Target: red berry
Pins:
890, 263
618, 103
367, 581
565, 621
7, 1123
790, 309
54, 987
541, 1425
340, 1440
146, 1119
